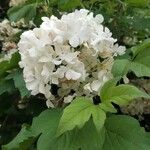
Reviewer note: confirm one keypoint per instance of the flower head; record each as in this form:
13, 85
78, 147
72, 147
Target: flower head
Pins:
74, 53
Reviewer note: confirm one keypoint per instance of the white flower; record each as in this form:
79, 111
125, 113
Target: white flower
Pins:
118, 50
95, 85
49, 104
69, 98
66, 53
72, 75
125, 79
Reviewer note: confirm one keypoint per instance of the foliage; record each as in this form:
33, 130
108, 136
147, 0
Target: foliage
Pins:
78, 113
7, 65
121, 94
19, 83
138, 63
118, 132
123, 132
82, 124
134, 15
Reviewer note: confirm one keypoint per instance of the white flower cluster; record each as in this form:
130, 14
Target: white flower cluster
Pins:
68, 57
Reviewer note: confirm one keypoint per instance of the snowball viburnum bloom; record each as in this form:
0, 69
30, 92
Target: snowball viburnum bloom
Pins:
72, 56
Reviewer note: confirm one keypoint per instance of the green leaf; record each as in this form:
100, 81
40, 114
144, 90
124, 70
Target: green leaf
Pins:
26, 11
78, 113
125, 133
120, 67
139, 64
108, 107
6, 86
107, 86
139, 48
23, 140
10, 64
46, 121
138, 3
19, 82
68, 4
140, 23
44, 129
86, 138
98, 116
122, 94
120, 132
140, 69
